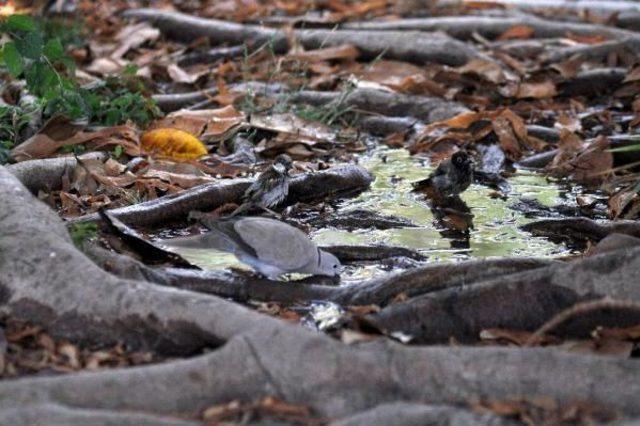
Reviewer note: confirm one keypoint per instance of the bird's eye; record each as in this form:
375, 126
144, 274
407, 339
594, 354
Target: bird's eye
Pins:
335, 266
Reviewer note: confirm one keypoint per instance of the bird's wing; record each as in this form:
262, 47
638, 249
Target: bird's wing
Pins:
211, 240
252, 192
277, 243
441, 170
226, 229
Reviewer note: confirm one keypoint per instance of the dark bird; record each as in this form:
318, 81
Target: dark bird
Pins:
451, 177
270, 188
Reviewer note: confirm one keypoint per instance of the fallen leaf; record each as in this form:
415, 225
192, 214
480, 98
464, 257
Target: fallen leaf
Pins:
134, 36
173, 143
345, 51
539, 90
179, 75
488, 70
517, 32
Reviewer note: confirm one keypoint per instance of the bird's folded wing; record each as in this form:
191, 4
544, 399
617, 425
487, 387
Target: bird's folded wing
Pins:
213, 240
277, 243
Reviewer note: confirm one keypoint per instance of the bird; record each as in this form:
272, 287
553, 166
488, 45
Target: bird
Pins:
451, 177
269, 189
271, 247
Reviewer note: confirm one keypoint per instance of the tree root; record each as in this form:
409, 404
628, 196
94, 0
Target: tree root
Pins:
336, 380
423, 108
464, 27
420, 414
46, 174
578, 310
462, 312
580, 230
401, 45
594, 52
59, 415
176, 101
331, 182
47, 281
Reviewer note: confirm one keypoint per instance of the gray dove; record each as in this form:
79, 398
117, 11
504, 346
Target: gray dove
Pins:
270, 247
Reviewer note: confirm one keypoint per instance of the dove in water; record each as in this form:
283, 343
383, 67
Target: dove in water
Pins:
270, 247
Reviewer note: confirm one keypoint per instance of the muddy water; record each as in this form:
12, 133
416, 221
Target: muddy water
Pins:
495, 230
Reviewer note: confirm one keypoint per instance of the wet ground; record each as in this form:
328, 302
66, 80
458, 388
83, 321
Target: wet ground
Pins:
495, 231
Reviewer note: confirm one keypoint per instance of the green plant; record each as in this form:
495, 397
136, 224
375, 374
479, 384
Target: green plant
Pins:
12, 121
81, 232
37, 55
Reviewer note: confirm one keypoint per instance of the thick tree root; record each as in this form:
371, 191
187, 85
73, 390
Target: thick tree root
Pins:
581, 230
176, 101
310, 186
464, 27
47, 281
463, 312
46, 174
423, 108
403, 413
59, 415
595, 52
402, 45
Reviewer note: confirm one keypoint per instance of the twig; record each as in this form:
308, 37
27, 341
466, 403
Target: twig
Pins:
577, 310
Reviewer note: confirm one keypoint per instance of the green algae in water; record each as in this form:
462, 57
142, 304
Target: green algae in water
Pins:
496, 232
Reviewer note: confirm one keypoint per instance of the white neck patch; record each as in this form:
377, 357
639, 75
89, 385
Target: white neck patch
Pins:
279, 168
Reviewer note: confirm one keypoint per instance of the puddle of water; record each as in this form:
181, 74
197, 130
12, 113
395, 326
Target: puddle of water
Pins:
495, 232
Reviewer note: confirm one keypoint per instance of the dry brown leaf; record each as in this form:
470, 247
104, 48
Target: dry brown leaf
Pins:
59, 132
517, 32
587, 39
134, 36
488, 70
539, 90
293, 128
627, 333
209, 125
620, 202
179, 75
345, 51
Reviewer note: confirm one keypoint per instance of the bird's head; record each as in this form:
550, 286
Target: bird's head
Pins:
328, 264
462, 160
283, 163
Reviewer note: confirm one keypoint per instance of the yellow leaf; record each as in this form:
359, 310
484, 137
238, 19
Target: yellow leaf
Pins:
173, 143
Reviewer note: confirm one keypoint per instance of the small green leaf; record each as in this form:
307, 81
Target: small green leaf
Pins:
20, 23
30, 45
117, 151
12, 59
53, 49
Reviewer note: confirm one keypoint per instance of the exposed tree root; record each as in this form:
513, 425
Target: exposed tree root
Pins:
592, 5
46, 174
47, 281
402, 45
331, 182
403, 413
594, 82
426, 109
581, 230
463, 27
175, 101
581, 309
595, 52
59, 415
